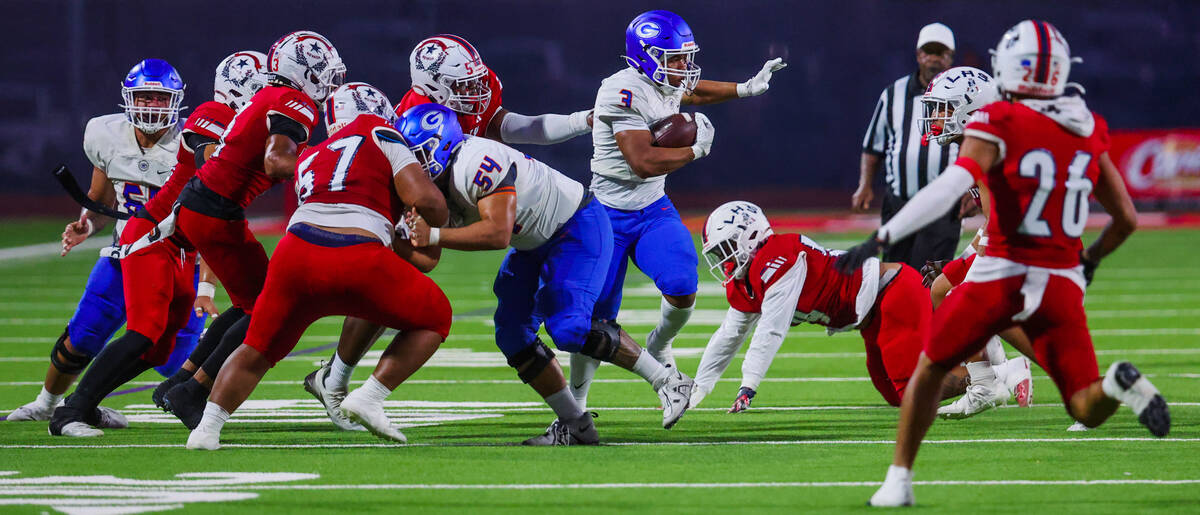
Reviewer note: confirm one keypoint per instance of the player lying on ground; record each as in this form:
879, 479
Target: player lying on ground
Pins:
337, 259
1037, 154
950, 99
132, 154
774, 281
445, 69
159, 282
629, 172
560, 243
258, 149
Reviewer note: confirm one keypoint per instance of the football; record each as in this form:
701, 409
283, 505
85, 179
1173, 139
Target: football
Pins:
675, 131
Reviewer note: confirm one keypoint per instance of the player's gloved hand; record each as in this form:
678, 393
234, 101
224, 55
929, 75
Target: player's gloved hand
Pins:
760, 82
704, 136
1089, 266
931, 271
742, 401
76, 232
854, 258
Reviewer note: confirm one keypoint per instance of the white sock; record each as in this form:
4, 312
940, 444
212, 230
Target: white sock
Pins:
981, 373
339, 374
671, 321
48, 399
897, 473
651, 370
374, 391
214, 418
563, 404
583, 370
995, 351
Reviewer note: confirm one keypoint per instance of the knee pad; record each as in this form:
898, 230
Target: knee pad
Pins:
603, 340
531, 361
66, 361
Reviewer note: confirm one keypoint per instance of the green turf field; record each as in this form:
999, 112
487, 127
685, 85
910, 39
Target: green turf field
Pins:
818, 437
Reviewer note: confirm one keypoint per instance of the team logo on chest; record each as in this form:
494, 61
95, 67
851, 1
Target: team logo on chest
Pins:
143, 165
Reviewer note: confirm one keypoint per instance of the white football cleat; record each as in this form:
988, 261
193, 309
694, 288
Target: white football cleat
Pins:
1125, 383
978, 399
111, 418
331, 399
1078, 426
34, 411
200, 440
895, 491
371, 416
1019, 380
581, 431
79, 430
676, 396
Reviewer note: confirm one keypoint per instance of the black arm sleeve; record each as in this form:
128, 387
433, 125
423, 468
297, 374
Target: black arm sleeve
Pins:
199, 154
196, 143
280, 124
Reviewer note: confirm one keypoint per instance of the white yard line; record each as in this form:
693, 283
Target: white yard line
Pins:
52, 249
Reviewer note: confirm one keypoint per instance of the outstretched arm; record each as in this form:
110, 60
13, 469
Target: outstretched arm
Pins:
545, 129
778, 307
713, 92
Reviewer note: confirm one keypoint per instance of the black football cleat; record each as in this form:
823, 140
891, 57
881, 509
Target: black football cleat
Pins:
186, 402
1139, 394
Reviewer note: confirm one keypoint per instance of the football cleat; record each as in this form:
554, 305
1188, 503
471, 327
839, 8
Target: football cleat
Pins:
77, 430
186, 402
894, 492
1124, 382
1019, 380
371, 416
978, 399
109, 418
1078, 426
34, 411
161, 390
331, 399
581, 431
742, 401
203, 440
676, 396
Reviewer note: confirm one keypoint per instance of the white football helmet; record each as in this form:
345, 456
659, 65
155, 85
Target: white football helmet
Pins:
448, 70
951, 98
308, 62
239, 77
732, 235
1032, 59
352, 99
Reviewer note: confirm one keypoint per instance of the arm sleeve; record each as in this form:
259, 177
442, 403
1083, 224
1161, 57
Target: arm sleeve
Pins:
876, 130
281, 124
929, 204
723, 346
778, 307
393, 147
546, 129
194, 140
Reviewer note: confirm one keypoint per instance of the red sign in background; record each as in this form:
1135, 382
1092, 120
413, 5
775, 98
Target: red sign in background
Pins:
1159, 164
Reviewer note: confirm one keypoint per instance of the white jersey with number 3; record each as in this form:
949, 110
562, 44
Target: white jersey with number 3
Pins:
627, 100
546, 199
136, 172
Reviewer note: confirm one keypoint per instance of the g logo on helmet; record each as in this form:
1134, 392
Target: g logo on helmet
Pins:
648, 29
431, 121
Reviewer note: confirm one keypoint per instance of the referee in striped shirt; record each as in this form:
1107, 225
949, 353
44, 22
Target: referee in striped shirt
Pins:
895, 138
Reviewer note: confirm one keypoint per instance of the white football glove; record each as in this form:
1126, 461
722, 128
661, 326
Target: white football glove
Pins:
759, 83
704, 136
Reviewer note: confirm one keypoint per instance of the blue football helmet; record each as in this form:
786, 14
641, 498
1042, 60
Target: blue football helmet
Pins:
432, 132
652, 39
158, 76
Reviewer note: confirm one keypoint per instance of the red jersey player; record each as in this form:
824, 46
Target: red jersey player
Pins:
446, 69
776, 281
1038, 155
258, 149
352, 190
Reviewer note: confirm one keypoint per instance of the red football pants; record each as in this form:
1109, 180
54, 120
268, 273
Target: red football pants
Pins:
893, 338
306, 282
230, 250
1058, 328
159, 293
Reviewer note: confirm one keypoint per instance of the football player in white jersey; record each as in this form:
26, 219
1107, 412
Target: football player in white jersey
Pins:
628, 172
133, 154
561, 244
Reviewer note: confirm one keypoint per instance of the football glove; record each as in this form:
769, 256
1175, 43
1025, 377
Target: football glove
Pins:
931, 271
761, 81
854, 258
704, 136
1089, 267
742, 401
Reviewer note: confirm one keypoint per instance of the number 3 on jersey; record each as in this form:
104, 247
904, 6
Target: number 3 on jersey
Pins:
346, 148
1039, 164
